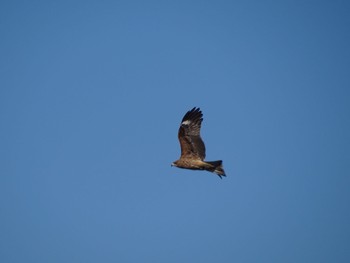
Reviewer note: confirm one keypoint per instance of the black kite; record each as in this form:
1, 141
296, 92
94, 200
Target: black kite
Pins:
192, 145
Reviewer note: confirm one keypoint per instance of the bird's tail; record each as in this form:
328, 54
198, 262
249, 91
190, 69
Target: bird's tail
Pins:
216, 167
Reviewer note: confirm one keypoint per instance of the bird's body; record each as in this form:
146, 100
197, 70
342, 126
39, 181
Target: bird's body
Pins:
192, 146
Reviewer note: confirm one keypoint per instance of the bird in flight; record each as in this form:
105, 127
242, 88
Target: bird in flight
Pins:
192, 145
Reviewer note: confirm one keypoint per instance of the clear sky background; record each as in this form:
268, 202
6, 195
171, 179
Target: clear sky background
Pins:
91, 97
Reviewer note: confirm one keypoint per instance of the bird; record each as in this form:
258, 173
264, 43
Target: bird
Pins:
192, 146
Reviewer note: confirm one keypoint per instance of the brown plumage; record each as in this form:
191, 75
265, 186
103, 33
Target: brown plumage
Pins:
192, 145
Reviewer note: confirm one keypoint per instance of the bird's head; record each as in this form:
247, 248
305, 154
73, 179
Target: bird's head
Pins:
174, 164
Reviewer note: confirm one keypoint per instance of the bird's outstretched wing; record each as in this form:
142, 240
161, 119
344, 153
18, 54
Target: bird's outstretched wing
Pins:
192, 145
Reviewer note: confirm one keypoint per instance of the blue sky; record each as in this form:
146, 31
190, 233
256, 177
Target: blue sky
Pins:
91, 97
